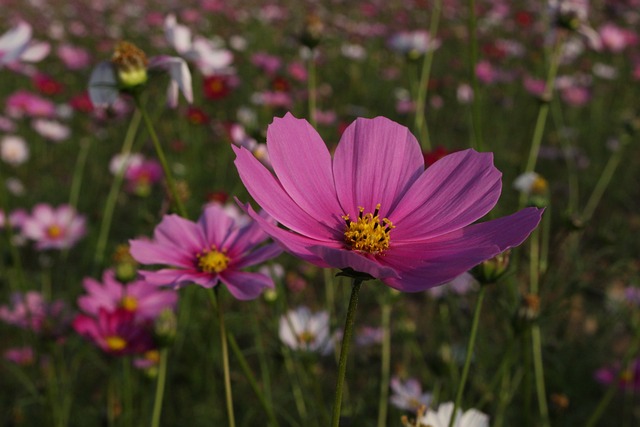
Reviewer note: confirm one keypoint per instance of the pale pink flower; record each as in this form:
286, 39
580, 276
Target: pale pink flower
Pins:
74, 57
16, 45
14, 150
51, 129
54, 228
408, 394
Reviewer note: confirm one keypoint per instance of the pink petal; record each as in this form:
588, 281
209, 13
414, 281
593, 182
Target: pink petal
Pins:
147, 252
245, 286
216, 224
174, 230
258, 256
272, 197
302, 164
423, 265
343, 258
376, 161
452, 193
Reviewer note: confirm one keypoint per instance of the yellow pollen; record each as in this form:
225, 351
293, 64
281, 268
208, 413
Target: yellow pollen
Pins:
212, 261
129, 57
129, 303
116, 343
368, 233
54, 232
306, 337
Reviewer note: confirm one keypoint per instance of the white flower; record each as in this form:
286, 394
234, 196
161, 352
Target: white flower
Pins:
442, 416
51, 129
530, 182
302, 330
14, 150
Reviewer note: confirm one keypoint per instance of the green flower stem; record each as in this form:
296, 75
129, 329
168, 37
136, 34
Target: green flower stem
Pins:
78, 171
603, 181
385, 364
536, 338
160, 383
543, 111
107, 215
476, 108
311, 87
225, 357
467, 361
127, 389
344, 350
161, 157
251, 378
613, 387
298, 395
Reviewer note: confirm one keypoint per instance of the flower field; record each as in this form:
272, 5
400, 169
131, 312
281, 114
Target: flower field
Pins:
411, 213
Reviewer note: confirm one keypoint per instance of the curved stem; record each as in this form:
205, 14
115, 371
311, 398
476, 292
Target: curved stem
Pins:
109, 208
385, 364
162, 377
467, 361
161, 157
77, 173
344, 350
225, 357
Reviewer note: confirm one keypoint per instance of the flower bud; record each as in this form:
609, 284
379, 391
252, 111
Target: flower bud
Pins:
312, 32
131, 65
166, 327
491, 270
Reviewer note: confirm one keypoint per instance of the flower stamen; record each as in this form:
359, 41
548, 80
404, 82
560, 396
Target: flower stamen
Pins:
369, 233
212, 261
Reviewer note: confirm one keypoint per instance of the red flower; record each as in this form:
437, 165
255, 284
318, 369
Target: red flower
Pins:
216, 87
46, 85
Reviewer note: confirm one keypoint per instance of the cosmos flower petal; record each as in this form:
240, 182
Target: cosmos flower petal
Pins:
304, 167
174, 230
342, 258
434, 262
103, 85
13, 42
148, 252
180, 77
178, 36
216, 224
178, 278
375, 162
271, 196
245, 286
452, 193
259, 255
35, 51
295, 243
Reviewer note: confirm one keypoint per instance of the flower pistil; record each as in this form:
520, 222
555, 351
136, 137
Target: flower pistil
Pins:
212, 261
368, 233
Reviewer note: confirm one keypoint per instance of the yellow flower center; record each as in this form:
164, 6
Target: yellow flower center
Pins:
129, 303
368, 233
306, 337
116, 343
212, 261
152, 356
54, 232
131, 64
539, 186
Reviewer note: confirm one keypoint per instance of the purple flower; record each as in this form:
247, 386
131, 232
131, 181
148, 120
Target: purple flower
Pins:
627, 379
408, 394
215, 249
145, 300
54, 228
374, 209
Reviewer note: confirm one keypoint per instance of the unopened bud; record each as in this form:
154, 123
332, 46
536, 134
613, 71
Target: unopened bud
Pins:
530, 307
166, 327
312, 32
491, 270
131, 65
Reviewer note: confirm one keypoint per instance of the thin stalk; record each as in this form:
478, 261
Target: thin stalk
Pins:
298, 395
127, 391
344, 351
603, 183
476, 140
311, 87
78, 171
385, 365
225, 357
467, 361
161, 157
110, 205
423, 84
160, 385
543, 111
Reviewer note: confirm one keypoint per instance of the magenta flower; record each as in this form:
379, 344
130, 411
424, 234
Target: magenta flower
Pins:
374, 209
115, 332
143, 299
54, 228
215, 249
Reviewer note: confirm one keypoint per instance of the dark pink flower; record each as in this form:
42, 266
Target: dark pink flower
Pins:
115, 332
374, 208
628, 379
215, 249
22, 103
143, 299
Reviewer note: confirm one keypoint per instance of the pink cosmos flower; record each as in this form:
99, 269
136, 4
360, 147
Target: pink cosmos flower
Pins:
213, 250
23, 356
628, 378
54, 228
143, 299
31, 311
374, 209
115, 332
408, 394
73, 57
22, 103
